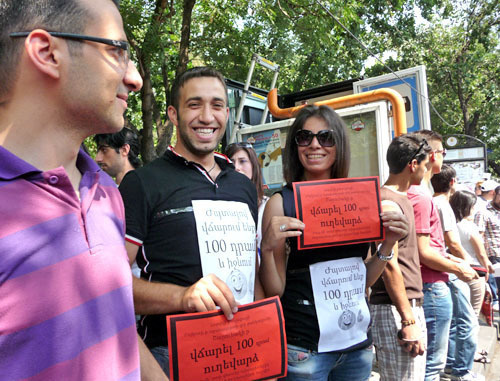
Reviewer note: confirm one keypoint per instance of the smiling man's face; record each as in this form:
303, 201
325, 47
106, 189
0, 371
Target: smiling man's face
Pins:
201, 117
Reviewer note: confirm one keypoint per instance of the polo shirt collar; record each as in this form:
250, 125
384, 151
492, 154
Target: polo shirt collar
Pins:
222, 160
85, 163
13, 167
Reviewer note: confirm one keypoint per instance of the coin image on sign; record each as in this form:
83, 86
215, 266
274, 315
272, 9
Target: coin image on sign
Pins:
452, 141
237, 283
347, 320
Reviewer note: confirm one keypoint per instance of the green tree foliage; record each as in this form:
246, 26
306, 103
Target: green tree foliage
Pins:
460, 48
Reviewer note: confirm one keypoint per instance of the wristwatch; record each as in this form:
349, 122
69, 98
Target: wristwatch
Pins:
382, 257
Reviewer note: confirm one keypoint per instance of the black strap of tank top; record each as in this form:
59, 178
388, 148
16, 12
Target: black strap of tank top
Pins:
288, 202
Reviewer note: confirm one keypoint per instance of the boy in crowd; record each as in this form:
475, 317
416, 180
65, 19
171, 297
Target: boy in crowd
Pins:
398, 321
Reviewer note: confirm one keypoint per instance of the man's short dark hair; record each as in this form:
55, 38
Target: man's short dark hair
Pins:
403, 149
118, 140
428, 135
195, 72
441, 181
25, 15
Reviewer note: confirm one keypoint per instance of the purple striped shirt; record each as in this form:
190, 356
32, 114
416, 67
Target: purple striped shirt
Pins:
66, 309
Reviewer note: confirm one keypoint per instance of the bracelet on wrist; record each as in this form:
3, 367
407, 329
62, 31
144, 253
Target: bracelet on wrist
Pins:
406, 323
382, 257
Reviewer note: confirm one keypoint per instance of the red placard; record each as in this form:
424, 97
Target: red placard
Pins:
205, 346
338, 211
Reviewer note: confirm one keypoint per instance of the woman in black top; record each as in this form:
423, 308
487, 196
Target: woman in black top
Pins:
328, 338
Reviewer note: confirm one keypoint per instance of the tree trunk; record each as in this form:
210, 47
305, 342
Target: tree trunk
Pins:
147, 142
185, 36
151, 113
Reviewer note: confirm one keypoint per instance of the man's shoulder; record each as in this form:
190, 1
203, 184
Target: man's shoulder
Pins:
485, 212
149, 179
441, 203
415, 190
151, 170
238, 183
418, 195
387, 193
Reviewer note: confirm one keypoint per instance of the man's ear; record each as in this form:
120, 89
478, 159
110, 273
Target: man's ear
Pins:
412, 164
45, 52
172, 115
432, 156
125, 149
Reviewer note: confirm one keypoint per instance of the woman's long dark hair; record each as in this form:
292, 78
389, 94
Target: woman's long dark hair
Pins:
462, 203
292, 167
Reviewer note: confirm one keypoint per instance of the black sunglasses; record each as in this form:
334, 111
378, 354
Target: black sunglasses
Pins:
124, 45
424, 143
303, 138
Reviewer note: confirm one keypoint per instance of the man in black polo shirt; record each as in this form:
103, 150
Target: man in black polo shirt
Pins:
191, 217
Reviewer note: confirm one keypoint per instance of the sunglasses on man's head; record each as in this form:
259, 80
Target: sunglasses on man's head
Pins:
419, 149
239, 145
303, 138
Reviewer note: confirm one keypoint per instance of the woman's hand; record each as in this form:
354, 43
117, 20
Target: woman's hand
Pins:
278, 229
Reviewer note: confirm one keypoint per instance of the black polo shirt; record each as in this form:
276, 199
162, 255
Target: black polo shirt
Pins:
160, 218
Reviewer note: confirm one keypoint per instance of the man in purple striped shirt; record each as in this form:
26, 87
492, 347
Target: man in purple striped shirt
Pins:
66, 309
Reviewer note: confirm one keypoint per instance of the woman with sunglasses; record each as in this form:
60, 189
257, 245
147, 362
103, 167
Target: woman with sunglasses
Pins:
245, 161
317, 148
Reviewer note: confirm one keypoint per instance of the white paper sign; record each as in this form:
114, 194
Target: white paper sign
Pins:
226, 237
496, 267
339, 297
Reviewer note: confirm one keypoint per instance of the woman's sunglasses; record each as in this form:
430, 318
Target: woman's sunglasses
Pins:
303, 138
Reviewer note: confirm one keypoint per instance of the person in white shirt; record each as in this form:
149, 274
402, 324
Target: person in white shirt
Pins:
462, 203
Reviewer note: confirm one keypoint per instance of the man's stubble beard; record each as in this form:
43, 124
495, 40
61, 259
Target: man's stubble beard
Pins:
184, 137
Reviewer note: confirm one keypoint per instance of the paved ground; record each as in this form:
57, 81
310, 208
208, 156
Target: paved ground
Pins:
493, 373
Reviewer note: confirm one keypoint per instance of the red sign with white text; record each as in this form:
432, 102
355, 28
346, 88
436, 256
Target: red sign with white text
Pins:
205, 346
338, 211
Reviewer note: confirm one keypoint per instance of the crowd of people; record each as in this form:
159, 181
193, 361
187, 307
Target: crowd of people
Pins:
69, 235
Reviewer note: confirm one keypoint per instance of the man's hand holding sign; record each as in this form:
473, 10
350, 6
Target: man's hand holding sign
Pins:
206, 346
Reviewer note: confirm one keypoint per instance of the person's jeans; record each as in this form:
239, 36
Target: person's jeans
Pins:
348, 366
493, 282
463, 331
161, 355
437, 309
